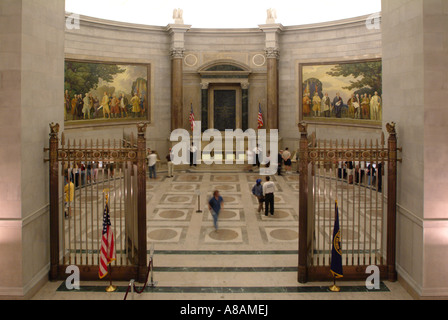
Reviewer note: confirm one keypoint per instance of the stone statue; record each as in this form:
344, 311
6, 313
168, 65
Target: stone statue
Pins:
178, 16
272, 15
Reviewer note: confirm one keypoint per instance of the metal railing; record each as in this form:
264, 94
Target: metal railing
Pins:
83, 173
351, 173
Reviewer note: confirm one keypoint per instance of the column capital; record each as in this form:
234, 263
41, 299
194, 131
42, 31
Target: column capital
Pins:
177, 33
205, 85
177, 53
272, 53
245, 85
272, 44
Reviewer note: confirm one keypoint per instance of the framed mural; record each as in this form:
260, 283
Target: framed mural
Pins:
104, 92
344, 92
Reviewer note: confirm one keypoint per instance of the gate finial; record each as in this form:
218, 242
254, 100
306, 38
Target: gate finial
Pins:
54, 129
391, 128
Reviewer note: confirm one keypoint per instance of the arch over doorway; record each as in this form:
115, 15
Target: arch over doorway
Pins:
225, 78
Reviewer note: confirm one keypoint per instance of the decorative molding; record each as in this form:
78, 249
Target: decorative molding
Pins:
191, 60
259, 60
272, 53
409, 280
35, 215
177, 53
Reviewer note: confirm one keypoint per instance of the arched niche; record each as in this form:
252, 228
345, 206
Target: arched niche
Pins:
224, 83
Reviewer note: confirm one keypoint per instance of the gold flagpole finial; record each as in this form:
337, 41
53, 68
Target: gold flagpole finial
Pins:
106, 193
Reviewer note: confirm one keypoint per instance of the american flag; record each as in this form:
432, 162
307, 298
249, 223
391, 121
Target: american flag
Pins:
107, 245
260, 118
192, 118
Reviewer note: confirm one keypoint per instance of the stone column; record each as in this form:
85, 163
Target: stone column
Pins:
272, 49
245, 106
204, 106
272, 55
177, 32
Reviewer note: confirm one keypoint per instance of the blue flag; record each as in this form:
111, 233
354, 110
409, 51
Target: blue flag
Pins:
336, 253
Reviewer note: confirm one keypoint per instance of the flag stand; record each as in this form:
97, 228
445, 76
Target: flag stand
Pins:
111, 288
334, 287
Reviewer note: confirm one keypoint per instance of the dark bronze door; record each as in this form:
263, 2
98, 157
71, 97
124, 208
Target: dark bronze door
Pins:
225, 109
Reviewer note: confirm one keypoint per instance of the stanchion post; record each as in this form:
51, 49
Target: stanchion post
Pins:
198, 193
152, 283
132, 284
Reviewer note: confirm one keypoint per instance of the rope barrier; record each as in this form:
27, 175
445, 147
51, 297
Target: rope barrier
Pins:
132, 283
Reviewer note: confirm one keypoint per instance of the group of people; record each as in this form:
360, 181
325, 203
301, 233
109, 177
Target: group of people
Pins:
356, 172
284, 159
81, 173
366, 107
265, 195
152, 158
264, 192
89, 107
78, 175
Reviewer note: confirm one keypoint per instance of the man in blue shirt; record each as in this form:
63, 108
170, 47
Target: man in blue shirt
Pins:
215, 205
257, 191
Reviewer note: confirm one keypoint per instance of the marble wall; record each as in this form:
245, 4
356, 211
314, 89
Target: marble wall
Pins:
31, 72
415, 56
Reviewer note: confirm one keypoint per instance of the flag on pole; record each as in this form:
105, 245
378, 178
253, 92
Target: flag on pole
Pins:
336, 253
107, 255
192, 124
260, 117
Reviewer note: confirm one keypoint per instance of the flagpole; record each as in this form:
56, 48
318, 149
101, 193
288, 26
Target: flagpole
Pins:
110, 288
334, 287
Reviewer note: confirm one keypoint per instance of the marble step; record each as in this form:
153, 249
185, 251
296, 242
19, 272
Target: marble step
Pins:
225, 279
195, 261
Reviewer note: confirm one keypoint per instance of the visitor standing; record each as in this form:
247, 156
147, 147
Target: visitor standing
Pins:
152, 161
169, 159
268, 193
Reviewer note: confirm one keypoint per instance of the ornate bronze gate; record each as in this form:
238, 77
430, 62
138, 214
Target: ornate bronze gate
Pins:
351, 173
81, 175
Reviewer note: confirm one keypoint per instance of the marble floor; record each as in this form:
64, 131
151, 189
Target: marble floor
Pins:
251, 257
